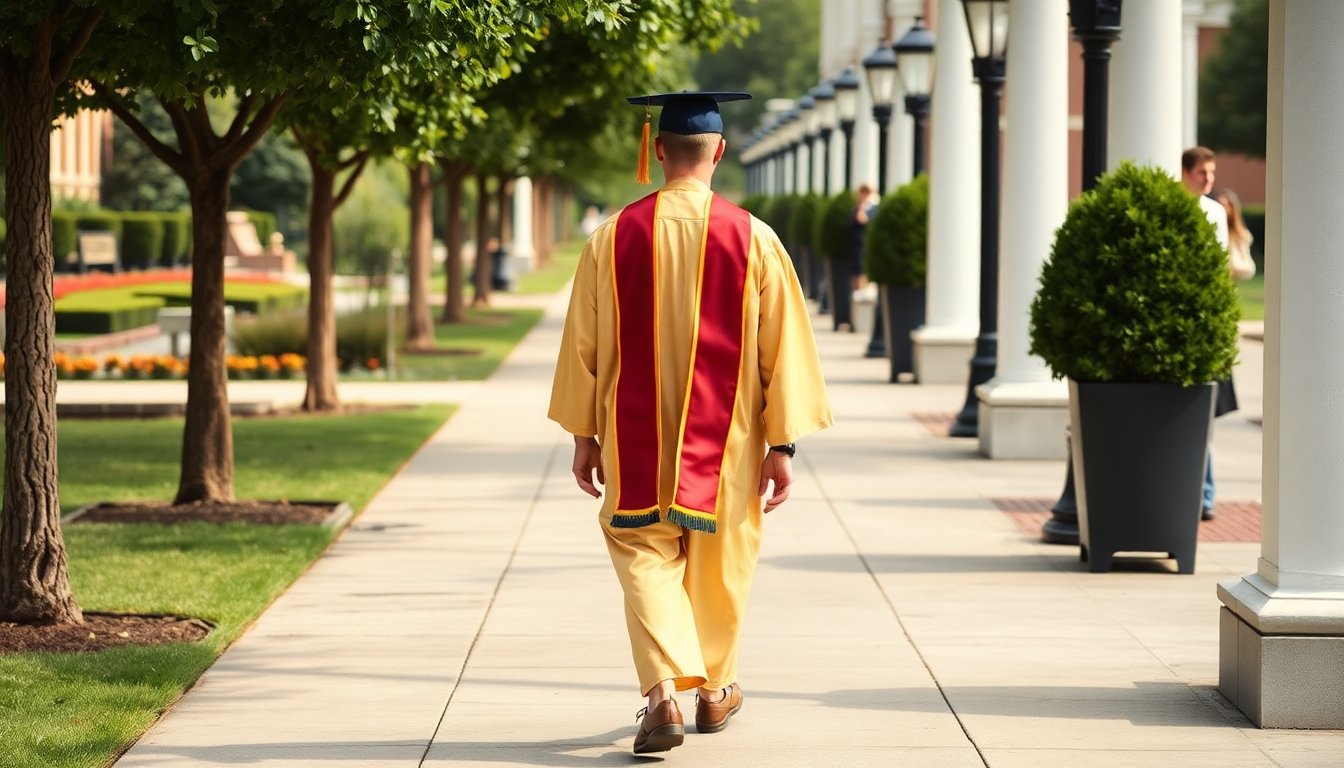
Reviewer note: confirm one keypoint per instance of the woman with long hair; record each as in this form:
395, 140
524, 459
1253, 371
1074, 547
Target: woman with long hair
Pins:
1239, 238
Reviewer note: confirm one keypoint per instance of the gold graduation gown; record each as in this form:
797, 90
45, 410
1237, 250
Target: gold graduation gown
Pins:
781, 392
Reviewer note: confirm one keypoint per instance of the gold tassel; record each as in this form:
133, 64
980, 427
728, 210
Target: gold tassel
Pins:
642, 169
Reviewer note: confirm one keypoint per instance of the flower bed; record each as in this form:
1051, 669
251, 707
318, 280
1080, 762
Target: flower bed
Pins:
66, 284
141, 367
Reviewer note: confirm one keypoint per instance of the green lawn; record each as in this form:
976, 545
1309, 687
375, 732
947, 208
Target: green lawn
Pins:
493, 332
68, 710
1252, 293
554, 275
548, 279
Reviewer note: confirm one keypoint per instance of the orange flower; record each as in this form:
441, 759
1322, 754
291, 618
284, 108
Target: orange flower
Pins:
373, 364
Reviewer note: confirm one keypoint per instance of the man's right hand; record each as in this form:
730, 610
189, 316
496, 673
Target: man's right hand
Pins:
587, 458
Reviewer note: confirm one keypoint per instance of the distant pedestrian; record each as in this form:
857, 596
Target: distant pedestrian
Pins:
1198, 171
591, 219
1239, 237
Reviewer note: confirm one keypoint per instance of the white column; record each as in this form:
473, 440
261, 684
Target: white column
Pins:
943, 345
902, 131
1022, 411
1145, 107
868, 35
1282, 627
522, 248
1193, 9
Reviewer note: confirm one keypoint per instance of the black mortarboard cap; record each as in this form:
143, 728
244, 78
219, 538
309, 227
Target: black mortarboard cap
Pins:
687, 112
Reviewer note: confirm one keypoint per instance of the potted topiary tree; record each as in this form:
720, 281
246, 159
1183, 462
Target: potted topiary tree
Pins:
835, 242
894, 257
1137, 310
801, 237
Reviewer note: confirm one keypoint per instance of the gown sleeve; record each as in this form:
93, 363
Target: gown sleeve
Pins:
574, 389
791, 378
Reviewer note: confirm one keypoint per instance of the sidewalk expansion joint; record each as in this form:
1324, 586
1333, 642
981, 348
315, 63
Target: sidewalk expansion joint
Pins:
494, 595
858, 552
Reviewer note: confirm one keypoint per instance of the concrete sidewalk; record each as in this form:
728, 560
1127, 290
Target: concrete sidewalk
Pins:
470, 616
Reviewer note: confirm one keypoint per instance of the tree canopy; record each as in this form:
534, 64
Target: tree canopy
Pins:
1233, 95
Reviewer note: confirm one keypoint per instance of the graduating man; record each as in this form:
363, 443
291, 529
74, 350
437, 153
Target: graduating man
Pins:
686, 372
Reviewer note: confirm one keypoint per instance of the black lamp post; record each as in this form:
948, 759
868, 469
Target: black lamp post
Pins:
988, 22
880, 69
793, 134
905, 306
839, 274
827, 112
914, 57
847, 107
1096, 24
827, 117
807, 117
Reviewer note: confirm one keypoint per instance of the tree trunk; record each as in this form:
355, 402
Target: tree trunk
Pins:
566, 212
482, 271
320, 394
454, 295
34, 583
420, 325
539, 254
505, 212
546, 232
207, 439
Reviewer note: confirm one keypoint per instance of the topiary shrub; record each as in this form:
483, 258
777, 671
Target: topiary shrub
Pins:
895, 247
833, 231
141, 239
752, 204
781, 215
1136, 288
802, 229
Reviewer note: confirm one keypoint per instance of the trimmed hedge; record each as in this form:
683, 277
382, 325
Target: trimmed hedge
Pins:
100, 221
834, 233
75, 316
359, 336
63, 231
250, 298
802, 230
176, 238
141, 239
752, 204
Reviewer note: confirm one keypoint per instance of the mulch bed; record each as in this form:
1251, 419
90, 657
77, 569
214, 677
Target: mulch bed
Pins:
101, 631
259, 512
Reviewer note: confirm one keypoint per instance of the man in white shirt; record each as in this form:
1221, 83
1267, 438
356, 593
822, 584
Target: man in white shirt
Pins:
1197, 173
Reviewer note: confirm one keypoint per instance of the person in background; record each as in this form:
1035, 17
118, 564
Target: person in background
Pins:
865, 204
1239, 238
1198, 171
591, 219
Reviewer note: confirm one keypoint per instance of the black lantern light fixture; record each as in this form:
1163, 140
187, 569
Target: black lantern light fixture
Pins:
914, 59
880, 69
988, 23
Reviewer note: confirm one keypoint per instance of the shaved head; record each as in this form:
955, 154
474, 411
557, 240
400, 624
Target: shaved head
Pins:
682, 149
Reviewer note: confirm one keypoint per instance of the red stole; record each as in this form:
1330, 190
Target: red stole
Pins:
716, 361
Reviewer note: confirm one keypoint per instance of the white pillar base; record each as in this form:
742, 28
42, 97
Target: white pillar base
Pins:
1023, 420
1281, 658
943, 355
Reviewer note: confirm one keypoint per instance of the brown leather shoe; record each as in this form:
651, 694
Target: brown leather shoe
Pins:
661, 729
712, 716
